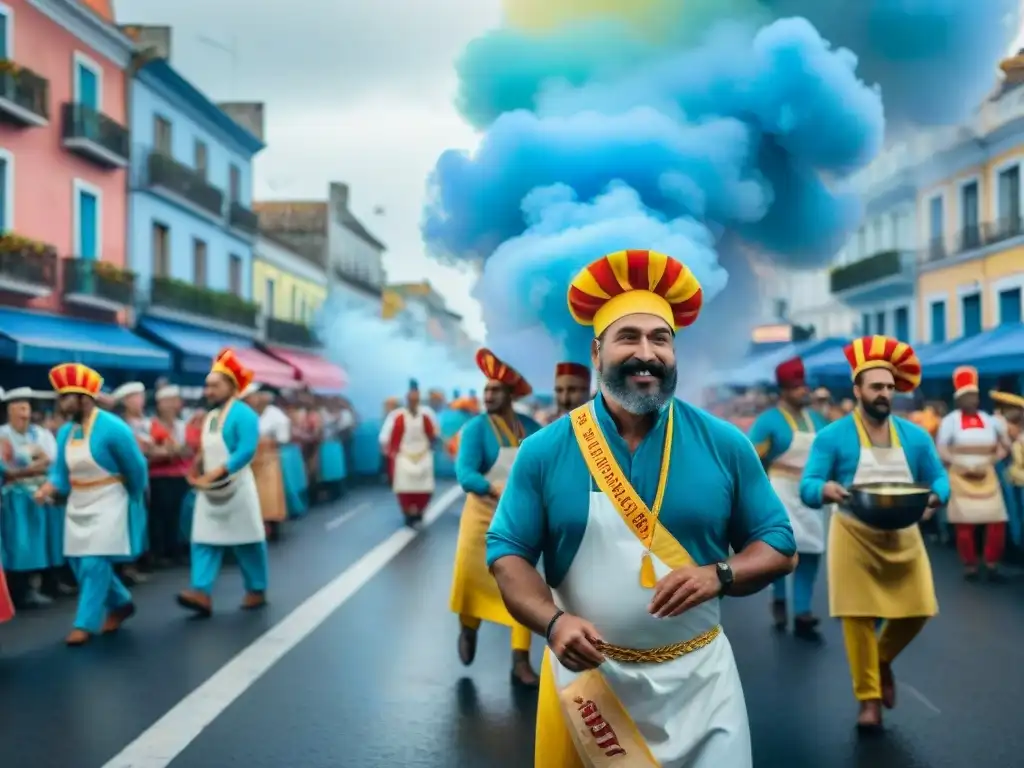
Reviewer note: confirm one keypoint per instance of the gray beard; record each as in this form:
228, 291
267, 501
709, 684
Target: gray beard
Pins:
637, 403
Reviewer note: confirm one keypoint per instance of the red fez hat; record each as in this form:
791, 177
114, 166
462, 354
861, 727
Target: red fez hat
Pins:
791, 373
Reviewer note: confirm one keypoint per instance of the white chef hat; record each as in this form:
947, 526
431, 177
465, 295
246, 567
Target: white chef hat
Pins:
18, 393
126, 390
252, 389
170, 390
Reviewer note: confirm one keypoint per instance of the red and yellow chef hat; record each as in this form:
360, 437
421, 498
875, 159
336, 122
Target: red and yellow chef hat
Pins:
1007, 399
632, 283
576, 370
228, 364
883, 352
790, 373
495, 370
75, 379
965, 380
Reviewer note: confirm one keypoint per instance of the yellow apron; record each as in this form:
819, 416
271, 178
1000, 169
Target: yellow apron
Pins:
874, 573
975, 501
474, 590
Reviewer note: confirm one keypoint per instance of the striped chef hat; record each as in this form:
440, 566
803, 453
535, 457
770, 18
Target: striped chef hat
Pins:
495, 370
869, 352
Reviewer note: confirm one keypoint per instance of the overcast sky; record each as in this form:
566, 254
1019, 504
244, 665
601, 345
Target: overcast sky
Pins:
356, 90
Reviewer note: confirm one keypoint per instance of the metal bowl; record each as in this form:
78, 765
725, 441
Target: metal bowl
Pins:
889, 506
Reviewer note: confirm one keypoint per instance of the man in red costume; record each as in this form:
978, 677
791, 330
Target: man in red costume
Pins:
408, 436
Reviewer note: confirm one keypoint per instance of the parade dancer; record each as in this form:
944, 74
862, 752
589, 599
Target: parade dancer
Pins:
639, 669
275, 430
1011, 407
875, 574
227, 512
102, 471
407, 438
487, 447
971, 443
783, 437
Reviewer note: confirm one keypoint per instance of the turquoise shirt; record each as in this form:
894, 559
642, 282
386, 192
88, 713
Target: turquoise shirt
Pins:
478, 450
836, 453
241, 435
717, 494
772, 435
113, 447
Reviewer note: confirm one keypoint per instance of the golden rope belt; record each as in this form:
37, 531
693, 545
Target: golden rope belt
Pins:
661, 654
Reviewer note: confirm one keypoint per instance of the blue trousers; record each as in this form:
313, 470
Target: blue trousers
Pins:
99, 591
804, 576
252, 560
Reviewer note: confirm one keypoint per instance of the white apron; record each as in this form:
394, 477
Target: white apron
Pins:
230, 514
690, 711
784, 473
414, 464
96, 519
975, 502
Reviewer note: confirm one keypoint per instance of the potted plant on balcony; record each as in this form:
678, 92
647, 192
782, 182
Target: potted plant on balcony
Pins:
8, 67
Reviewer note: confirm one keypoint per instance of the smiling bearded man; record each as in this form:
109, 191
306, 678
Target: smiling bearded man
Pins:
633, 501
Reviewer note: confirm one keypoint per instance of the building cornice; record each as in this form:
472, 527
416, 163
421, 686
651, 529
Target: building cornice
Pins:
101, 36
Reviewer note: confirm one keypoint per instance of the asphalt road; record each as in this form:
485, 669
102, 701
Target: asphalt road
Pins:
354, 665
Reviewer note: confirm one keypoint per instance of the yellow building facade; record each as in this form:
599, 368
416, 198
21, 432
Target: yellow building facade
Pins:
285, 285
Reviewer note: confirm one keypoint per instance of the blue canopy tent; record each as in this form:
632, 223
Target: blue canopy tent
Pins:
761, 370
997, 352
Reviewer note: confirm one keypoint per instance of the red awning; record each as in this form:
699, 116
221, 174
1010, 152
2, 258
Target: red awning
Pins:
266, 369
316, 373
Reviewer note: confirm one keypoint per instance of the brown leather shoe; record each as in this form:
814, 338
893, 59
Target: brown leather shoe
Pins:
253, 600
870, 717
77, 637
117, 617
467, 645
523, 675
888, 685
197, 602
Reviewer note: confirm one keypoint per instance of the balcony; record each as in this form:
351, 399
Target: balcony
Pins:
882, 275
94, 136
242, 219
972, 241
24, 96
184, 184
181, 297
97, 284
27, 267
284, 332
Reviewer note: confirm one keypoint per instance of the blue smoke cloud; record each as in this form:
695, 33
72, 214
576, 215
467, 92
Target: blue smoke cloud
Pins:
723, 148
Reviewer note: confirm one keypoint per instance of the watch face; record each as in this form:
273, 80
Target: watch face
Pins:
723, 567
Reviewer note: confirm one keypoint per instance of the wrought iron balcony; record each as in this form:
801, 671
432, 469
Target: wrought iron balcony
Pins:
95, 136
243, 219
24, 95
865, 272
27, 267
286, 332
97, 284
185, 183
181, 296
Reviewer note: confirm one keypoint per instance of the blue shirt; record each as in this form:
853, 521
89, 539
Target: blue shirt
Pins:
113, 446
241, 434
717, 494
479, 444
772, 434
836, 454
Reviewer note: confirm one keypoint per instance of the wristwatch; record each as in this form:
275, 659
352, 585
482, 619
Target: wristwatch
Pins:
725, 576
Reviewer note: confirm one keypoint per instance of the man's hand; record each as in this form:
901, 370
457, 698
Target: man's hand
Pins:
834, 493
933, 504
572, 641
45, 493
683, 589
495, 490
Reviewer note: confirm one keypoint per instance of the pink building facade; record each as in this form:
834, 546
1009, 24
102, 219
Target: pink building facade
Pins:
64, 150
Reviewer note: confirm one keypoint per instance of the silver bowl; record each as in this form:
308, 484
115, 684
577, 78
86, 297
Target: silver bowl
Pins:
889, 506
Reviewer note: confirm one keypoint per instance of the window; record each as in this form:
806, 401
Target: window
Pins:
879, 231
880, 322
268, 298
865, 323
969, 233
938, 322
6, 191
235, 183
970, 307
161, 250
896, 228
295, 301
936, 227
88, 219
862, 245
198, 262
235, 274
162, 135
88, 82
1009, 306
6, 33
901, 321
1009, 201
200, 158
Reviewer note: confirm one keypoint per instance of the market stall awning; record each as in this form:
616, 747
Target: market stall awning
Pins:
36, 338
197, 347
761, 370
997, 352
320, 375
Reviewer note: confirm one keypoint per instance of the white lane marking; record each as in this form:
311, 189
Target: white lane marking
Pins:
168, 737
344, 517
918, 695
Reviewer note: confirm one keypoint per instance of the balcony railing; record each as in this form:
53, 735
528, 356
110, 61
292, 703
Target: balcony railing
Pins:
184, 182
24, 95
27, 266
91, 281
241, 218
973, 237
95, 136
181, 296
285, 332
876, 267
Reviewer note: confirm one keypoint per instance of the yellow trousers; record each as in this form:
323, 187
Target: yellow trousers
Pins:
520, 634
866, 649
